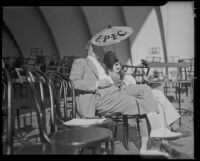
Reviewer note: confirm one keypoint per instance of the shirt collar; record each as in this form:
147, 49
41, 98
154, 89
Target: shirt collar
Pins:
92, 58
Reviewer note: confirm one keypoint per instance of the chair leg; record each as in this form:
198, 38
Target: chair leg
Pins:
25, 124
138, 125
96, 149
31, 118
112, 144
107, 147
18, 122
126, 132
116, 126
2, 125
110, 150
186, 88
80, 151
21, 94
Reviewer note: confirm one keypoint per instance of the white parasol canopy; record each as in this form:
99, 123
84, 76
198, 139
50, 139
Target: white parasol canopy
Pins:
111, 35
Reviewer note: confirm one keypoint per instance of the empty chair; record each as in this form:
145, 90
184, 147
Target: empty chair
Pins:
27, 148
7, 96
78, 138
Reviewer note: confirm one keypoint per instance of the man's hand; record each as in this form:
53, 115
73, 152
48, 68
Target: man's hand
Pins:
104, 83
146, 78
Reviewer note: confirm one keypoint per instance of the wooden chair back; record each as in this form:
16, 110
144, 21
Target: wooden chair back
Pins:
37, 78
7, 97
61, 92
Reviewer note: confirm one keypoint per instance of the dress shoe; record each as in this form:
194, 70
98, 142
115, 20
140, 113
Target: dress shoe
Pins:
181, 130
165, 134
171, 135
153, 152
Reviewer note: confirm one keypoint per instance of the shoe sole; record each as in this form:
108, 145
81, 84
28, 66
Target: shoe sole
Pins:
171, 138
154, 155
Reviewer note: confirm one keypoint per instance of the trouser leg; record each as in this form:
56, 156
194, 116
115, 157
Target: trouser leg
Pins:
144, 132
169, 112
144, 126
144, 96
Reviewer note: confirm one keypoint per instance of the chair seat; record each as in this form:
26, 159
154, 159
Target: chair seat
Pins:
20, 80
82, 137
44, 149
154, 84
85, 122
17, 80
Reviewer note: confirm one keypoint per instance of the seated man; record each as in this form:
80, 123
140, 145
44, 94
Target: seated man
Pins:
89, 74
167, 113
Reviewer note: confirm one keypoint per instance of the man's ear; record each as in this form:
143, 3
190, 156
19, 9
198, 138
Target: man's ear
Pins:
99, 50
88, 45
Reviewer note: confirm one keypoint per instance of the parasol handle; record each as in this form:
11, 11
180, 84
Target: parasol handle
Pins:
114, 49
109, 26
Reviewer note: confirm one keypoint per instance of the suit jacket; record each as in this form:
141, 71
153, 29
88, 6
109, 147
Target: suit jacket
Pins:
84, 76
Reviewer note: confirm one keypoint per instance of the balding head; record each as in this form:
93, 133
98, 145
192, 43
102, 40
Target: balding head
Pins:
95, 51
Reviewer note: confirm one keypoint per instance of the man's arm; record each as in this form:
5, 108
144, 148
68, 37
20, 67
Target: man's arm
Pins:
129, 79
76, 75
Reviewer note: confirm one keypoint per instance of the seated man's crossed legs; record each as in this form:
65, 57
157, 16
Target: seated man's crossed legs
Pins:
127, 104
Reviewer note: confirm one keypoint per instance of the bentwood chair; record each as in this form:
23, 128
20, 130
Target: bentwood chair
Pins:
7, 96
118, 119
121, 119
65, 92
114, 119
25, 148
139, 72
63, 95
77, 138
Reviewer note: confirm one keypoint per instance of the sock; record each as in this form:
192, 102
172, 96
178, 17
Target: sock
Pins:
144, 141
154, 121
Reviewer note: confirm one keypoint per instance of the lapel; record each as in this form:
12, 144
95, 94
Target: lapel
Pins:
92, 67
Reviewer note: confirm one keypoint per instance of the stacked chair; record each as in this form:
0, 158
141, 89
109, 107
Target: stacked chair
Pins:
109, 120
26, 148
6, 104
72, 140
63, 108
113, 119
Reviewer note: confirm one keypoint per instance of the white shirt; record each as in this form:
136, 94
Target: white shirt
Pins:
100, 70
129, 80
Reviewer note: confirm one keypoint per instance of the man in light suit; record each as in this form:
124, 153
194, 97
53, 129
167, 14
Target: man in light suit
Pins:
89, 75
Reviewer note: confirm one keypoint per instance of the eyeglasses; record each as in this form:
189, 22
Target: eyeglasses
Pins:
116, 64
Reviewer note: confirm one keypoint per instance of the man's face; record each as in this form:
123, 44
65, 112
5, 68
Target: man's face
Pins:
99, 52
117, 67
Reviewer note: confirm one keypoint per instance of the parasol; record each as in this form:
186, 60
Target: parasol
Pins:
111, 35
